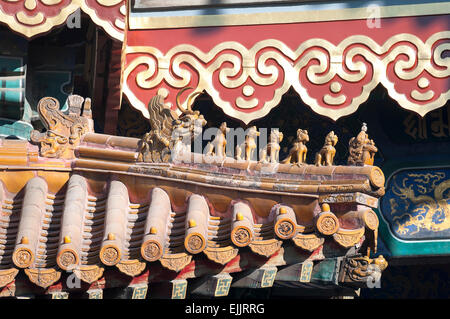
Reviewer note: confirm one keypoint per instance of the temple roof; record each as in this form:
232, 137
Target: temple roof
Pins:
104, 209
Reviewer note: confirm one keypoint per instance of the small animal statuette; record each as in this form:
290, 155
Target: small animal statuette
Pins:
218, 145
362, 149
249, 145
272, 149
326, 155
297, 154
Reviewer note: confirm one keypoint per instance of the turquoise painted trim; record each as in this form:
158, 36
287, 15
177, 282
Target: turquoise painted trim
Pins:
399, 247
17, 129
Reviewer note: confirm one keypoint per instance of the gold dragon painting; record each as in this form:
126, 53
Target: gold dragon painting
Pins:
417, 203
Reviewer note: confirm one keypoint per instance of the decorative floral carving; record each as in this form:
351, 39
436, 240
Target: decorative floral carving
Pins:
266, 247
221, 255
175, 262
89, 274
43, 277
347, 238
308, 242
7, 276
131, 267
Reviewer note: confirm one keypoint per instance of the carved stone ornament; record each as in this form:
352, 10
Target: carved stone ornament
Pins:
266, 247
221, 255
64, 131
308, 242
168, 130
43, 277
89, 274
7, 276
326, 154
175, 262
131, 267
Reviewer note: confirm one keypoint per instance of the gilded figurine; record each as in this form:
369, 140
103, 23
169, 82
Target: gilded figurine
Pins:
362, 149
218, 145
249, 145
297, 153
326, 155
270, 153
167, 128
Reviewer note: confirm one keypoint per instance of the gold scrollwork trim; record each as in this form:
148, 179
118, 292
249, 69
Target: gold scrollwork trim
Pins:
30, 28
106, 25
168, 67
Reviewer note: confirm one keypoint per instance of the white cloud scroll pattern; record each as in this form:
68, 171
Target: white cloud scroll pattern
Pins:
332, 79
35, 17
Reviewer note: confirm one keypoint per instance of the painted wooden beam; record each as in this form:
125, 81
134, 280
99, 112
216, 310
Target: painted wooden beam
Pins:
212, 286
257, 278
173, 289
